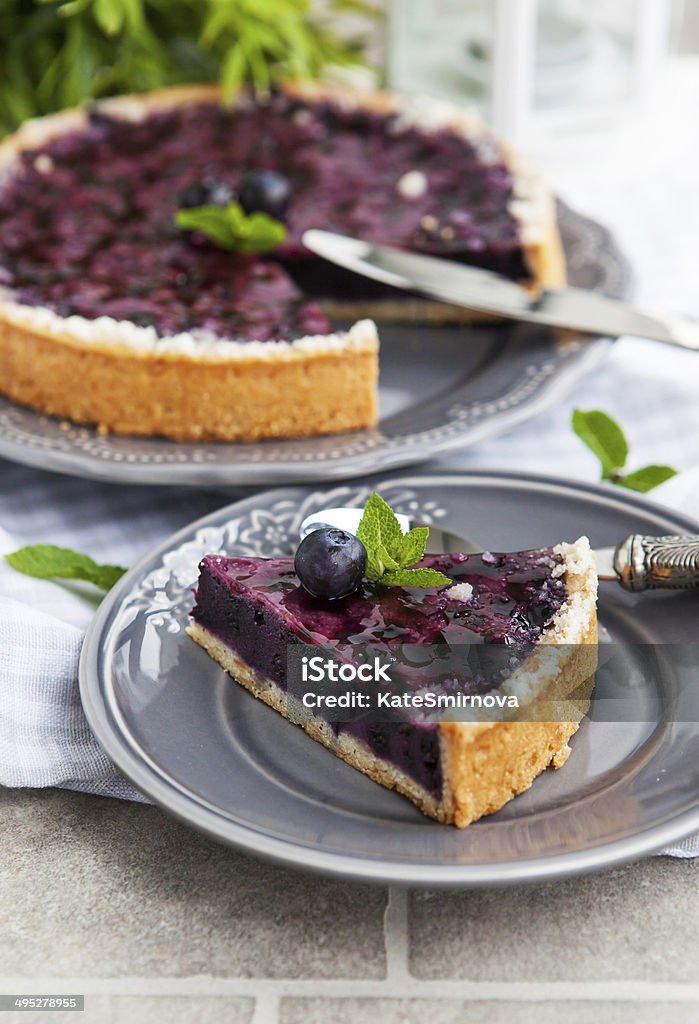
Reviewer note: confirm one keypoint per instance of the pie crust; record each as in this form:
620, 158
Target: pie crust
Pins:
127, 379
484, 764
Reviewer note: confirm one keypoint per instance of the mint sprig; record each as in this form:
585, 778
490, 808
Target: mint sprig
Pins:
390, 552
229, 227
45, 561
606, 439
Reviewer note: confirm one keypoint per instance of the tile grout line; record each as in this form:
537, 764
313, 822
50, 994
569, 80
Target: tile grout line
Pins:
395, 930
269, 990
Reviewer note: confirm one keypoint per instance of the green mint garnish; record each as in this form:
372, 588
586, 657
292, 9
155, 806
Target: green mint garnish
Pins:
390, 552
606, 439
44, 561
229, 227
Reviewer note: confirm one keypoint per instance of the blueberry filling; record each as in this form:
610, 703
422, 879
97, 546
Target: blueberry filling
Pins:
86, 221
258, 607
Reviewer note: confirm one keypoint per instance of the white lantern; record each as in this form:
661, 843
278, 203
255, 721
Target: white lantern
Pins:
535, 68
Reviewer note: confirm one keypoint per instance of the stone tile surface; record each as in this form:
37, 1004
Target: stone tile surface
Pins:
97, 1011
179, 1010
420, 1011
635, 922
92, 887
146, 1010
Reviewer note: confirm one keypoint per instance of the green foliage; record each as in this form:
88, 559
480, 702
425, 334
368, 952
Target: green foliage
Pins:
230, 228
58, 53
390, 551
606, 439
45, 561
647, 478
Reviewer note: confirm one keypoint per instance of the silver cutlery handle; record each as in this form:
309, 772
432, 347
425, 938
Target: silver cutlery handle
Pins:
651, 563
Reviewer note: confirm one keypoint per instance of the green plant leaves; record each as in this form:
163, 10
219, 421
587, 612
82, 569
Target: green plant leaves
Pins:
647, 478
229, 227
59, 53
45, 561
606, 439
390, 552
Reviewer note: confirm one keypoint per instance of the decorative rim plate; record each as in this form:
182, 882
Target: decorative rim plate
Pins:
485, 381
205, 750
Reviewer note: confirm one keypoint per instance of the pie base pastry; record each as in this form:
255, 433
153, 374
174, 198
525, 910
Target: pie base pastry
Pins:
101, 367
461, 770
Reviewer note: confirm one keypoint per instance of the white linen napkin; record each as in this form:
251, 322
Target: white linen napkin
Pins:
44, 736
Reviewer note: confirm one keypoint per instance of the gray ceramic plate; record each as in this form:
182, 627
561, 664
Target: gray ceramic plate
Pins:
205, 750
441, 389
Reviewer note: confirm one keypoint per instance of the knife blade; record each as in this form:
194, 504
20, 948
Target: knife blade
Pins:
487, 292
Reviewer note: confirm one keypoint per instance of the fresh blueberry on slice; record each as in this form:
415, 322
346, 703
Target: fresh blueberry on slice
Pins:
208, 191
330, 563
265, 191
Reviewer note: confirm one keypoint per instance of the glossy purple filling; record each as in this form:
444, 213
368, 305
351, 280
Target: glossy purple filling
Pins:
86, 222
258, 608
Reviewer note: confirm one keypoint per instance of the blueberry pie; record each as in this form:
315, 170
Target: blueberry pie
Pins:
110, 314
542, 604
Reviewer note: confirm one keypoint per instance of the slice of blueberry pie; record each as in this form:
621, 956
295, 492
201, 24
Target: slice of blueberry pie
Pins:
540, 605
114, 313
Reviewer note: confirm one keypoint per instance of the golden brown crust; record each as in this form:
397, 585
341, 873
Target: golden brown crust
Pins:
546, 259
175, 396
88, 379
488, 768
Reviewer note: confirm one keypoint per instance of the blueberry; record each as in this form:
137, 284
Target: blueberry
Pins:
265, 191
330, 563
208, 191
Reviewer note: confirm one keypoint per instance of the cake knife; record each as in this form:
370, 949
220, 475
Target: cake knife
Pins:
487, 292
637, 563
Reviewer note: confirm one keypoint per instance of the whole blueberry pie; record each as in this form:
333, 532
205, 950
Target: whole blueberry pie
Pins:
112, 314
535, 610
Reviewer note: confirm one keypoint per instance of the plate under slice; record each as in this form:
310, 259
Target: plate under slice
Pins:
206, 751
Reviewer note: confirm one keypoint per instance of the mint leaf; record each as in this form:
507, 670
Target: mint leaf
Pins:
229, 227
412, 546
390, 552
416, 578
380, 562
604, 437
45, 561
379, 526
646, 479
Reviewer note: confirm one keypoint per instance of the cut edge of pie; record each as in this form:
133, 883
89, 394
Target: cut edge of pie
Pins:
484, 764
127, 379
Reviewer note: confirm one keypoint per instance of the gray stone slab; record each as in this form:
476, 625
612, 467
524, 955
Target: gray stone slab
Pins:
420, 1011
92, 887
145, 1010
636, 922
178, 1010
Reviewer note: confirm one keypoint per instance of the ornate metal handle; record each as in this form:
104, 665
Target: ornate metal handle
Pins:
648, 563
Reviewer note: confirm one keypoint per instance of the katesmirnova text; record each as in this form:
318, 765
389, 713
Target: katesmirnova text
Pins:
317, 669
